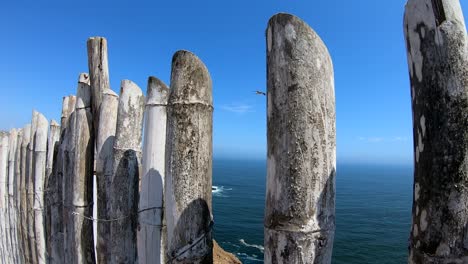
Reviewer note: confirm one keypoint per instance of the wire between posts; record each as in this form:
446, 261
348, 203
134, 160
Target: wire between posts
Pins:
183, 250
111, 219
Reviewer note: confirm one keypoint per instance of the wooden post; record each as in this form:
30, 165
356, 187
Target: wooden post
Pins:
23, 193
123, 196
67, 172
104, 169
99, 73
17, 196
50, 185
40, 157
151, 234
188, 179
4, 140
11, 201
82, 241
30, 190
436, 42
301, 145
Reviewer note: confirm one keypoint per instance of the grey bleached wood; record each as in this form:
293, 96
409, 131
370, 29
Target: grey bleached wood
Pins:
40, 157
11, 201
437, 50
50, 184
123, 196
67, 173
17, 191
4, 140
301, 145
104, 169
82, 240
30, 191
151, 233
23, 193
188, 178
99, 73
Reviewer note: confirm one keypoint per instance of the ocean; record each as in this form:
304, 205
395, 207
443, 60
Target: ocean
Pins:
373, 211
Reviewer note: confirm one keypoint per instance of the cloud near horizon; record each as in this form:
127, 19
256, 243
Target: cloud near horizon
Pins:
239, 108
382, 139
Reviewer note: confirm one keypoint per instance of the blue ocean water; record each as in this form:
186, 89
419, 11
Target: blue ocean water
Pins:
373, 211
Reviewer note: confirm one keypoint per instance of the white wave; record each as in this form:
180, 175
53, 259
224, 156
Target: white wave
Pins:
219, 190
259, 247
245, 256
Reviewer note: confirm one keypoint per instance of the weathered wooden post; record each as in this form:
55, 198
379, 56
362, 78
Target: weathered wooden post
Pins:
123, 195
50, 184
300, 197
23, 193
151, 234
98, 70
68, 170
11, 201
40, 157
4, 140
59, 224
17, 191
104, 169
437, 50
188, 179
30, 190
82, 240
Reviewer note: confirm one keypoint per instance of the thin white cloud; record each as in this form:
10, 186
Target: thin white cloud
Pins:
237, 108
382, 139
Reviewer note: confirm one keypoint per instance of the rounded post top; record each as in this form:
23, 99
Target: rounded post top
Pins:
83, 93
109, 92
190, 80
26, 133
157, 92
41, 134
54, 123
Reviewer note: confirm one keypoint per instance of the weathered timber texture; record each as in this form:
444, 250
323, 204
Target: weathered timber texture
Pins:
40, 157
151, 233
68, 160
16, 195
10, 199
301, 145
4, 140
188, 179
104, 169
437, 50
123, 196
99, 73
50, 184
23, 193
30, 190
81, 182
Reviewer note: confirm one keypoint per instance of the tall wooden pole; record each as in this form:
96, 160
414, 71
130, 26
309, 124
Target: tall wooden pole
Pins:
23, 193
17, 196
50, 184
98, 73
30, 190
123, 196
82, 241
151, 234
40, 157
104, 169
67, 172
437, 50
4, 140
11, 200
188, 179
301, 145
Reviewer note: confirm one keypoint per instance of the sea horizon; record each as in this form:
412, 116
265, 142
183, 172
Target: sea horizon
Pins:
373, 210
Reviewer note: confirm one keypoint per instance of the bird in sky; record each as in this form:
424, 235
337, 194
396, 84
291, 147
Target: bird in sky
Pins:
260, 93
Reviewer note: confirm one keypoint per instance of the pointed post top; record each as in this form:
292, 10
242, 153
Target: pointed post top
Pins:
157, 92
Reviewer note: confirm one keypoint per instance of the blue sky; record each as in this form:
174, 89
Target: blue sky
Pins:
44, 49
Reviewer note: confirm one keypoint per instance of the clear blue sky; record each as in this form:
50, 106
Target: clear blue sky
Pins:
43, 49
